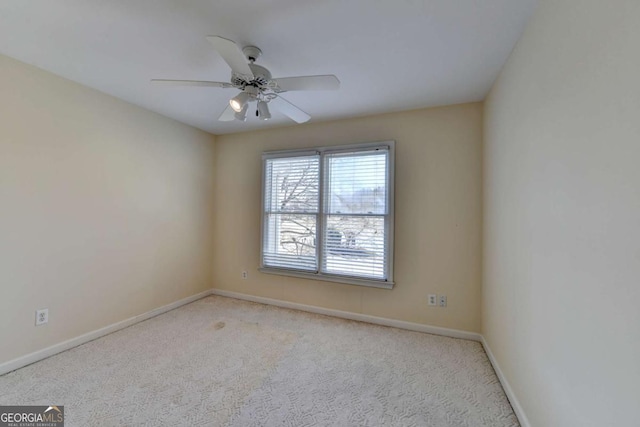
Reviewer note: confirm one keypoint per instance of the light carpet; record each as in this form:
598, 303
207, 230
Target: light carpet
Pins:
224, 362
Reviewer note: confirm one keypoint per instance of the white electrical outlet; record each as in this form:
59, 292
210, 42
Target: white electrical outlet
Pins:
245, 275
443, 300
433, 298
42, 316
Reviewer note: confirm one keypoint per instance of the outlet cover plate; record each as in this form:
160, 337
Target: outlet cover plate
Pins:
432, 299
443, 301
42, 316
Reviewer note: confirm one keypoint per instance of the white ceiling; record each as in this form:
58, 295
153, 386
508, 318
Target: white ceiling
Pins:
389, 55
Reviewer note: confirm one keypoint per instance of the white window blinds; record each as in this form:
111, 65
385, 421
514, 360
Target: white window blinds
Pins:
329, 213
291, 200
355, 214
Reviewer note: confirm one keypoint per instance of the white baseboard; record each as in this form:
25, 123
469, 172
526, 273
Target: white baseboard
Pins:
418, 327
515, 403
30, 358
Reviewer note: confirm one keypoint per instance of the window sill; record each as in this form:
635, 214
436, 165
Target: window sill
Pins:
329, 278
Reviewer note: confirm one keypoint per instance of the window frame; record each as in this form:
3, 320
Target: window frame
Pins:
387, 283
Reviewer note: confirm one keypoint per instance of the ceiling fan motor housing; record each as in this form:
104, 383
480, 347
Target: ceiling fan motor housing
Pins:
261, 77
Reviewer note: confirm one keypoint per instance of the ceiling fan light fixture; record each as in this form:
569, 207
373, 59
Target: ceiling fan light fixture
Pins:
255, 84
239, 101
242, 114
263, 111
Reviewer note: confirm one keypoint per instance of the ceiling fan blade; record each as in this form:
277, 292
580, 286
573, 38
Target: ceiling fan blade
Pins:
326, 82
289, 110
190, 83
232, 55
227, 115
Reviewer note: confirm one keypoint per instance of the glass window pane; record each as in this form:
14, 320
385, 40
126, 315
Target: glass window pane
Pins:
291, 184
290, 241
355, 246
357, 182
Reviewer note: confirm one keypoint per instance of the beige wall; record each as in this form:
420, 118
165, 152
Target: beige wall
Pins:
105, 209
561, 291
437, 215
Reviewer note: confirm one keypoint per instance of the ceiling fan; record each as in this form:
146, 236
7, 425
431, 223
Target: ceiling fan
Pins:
256, 84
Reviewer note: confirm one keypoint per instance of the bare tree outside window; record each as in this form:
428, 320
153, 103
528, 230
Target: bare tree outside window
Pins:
299, 189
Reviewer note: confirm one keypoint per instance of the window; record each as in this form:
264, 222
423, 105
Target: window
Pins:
328, 214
